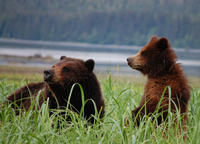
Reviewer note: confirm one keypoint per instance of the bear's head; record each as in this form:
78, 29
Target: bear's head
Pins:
68, 71
60, 78
156, 58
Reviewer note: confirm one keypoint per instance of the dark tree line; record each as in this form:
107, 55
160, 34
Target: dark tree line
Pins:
130, 22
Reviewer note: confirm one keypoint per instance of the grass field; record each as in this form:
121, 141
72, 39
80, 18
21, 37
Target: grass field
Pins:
122, 94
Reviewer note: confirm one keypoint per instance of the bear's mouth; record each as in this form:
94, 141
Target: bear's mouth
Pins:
49, 81
136, 67
139, 69
133, 65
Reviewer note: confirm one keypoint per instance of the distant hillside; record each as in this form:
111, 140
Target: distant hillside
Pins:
102, 21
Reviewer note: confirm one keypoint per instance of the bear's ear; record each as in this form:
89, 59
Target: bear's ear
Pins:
163, 43
62, 57
154, 38
90, 64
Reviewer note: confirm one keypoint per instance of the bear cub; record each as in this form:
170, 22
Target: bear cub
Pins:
157, 60
58, 81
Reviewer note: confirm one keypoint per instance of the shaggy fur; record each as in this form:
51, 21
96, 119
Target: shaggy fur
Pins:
158, 61
57, 84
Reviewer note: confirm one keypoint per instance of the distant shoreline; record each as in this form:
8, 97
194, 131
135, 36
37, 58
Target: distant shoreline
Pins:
108, 58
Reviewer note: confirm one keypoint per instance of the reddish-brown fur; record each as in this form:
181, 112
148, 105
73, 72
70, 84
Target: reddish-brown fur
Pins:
57, 84
158, 61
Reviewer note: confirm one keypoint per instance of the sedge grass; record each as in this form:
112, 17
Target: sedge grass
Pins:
121, 97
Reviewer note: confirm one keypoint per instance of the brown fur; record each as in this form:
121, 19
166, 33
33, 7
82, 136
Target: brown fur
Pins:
57, 84
158, 61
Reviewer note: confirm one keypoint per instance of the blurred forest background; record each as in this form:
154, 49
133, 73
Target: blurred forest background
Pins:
124, 22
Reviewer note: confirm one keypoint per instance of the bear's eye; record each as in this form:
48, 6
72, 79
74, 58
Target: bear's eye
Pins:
65, 69
143, 53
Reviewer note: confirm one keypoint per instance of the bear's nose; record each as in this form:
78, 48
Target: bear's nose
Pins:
128, 60
47, 75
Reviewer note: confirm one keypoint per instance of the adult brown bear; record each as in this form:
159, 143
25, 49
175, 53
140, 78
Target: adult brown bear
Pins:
57, 84
158, 61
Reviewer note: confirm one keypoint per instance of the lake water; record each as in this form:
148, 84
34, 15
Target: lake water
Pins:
107, 57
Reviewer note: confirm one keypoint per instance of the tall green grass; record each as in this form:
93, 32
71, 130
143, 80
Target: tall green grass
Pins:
121, 96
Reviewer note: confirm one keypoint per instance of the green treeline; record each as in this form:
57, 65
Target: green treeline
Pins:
130, 22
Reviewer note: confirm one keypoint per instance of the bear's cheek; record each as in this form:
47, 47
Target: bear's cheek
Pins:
57, 75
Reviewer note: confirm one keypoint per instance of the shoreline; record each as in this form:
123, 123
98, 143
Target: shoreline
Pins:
122, 68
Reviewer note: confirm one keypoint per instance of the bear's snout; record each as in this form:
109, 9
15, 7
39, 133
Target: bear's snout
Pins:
48, 75
129, 61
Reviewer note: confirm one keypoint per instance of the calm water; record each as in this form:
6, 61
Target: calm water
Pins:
107, 57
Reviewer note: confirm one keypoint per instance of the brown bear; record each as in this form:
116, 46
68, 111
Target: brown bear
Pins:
157, 60
56, 87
